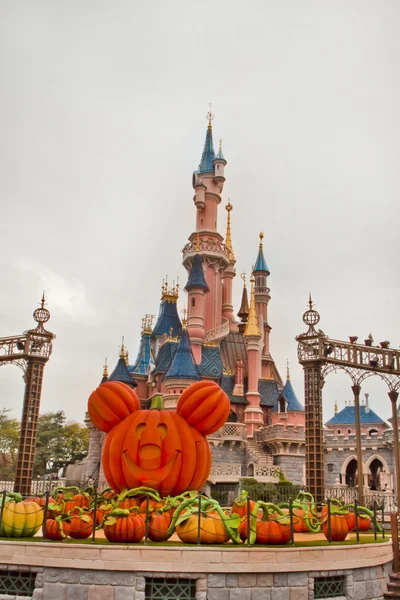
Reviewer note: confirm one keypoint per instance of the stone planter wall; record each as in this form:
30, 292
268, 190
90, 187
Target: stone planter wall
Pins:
66, 572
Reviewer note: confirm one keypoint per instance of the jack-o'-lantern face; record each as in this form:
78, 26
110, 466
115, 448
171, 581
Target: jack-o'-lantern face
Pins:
152, 445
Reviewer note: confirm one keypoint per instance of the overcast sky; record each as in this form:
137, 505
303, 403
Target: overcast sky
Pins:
102, 120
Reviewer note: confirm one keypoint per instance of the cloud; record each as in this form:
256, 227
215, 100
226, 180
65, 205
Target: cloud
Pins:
66, 295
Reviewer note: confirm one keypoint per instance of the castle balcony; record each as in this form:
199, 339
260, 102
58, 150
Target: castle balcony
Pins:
230, 432
281, 433
225, 473
210, 247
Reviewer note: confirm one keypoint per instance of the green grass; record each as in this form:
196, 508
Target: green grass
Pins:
364, 539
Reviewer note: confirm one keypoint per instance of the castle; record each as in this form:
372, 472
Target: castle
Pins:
264, 437
265, 431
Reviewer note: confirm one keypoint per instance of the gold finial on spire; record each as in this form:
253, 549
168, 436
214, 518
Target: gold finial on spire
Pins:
210, 116
127, 358
243, 276
336, 408
228, 239
184, 318
122, 352
169, 293
252, 325
147, 323
105, 368
261, 235
287, 370
220, 144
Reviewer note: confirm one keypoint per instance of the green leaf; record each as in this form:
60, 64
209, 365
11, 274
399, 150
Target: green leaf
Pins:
110, 521
183, 517
86, 518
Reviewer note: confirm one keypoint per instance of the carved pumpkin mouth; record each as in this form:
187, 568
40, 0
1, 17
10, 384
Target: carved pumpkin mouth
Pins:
156, 475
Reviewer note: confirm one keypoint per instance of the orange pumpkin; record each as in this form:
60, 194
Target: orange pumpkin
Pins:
111, 403
80, 525
123, 527
339, 529
80, 500
272, 532
158, 527
156, 448
54, 530
205, 406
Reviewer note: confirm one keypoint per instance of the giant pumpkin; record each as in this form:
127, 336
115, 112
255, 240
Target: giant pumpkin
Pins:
110, 403
159, 448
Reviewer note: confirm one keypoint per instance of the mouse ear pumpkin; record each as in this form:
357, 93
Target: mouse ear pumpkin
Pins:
110, 404
205, 406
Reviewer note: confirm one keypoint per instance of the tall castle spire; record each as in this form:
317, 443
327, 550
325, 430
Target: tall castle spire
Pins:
208, 156
252, 325
228, 239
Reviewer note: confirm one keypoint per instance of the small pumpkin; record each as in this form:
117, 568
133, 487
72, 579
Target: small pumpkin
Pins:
154, 505
158, 527
241, 504
40, 500
20, 519
124, 527
55, 530
80, 524
339, 528
272, 532
111, 403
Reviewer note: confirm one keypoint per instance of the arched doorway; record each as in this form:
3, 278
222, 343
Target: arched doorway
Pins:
351, 473
374, 475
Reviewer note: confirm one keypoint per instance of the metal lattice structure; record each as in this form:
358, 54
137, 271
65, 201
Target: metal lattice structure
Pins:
320, 355
30, 352
17, 583
164, 588
329, 587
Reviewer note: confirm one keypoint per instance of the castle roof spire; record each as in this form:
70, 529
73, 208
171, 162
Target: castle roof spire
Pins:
228, 239
261, 265
287, 371
244, 307
207, 158
183, 365
196, 276
252, 325
220, 156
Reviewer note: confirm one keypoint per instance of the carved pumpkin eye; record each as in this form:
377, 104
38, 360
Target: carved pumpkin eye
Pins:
139, 430
162, 430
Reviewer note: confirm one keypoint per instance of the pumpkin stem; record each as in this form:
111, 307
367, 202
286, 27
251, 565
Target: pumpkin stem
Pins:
157, 403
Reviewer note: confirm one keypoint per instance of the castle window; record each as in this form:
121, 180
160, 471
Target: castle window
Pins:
282, 406
349, 431
193, 302
339, 431
217, 167
372, 431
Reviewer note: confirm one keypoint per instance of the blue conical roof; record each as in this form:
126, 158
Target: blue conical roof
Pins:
122, 374
143, 359
261, 265
290, 396
183, 365
196, 276
168, 321
207, 158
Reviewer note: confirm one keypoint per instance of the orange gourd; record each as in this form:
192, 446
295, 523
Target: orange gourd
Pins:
55, 530
161, 449
111, 403
205, 406
212, 529
158, 527
272, 532
80, 525
121, 526
339, 528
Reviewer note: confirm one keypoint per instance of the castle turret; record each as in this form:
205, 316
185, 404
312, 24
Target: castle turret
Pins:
219, 166
121, 372
196, 288
181, 373
253, 414
168, 321
205, 239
